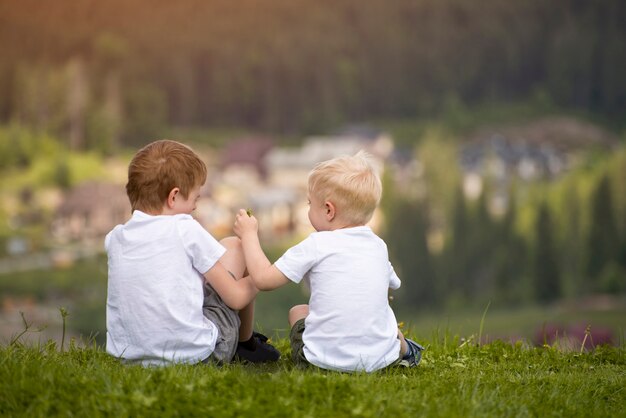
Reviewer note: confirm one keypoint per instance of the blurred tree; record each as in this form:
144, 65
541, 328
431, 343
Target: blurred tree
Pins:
40, 97
407, 239
546, 272
110, 52
509, 258
77, 101
618, 176
20, 146
482, 255
571, 238
62, 174
482, 247
146, 110
570, 61
278, 68
457, 258
437, 152
603, 240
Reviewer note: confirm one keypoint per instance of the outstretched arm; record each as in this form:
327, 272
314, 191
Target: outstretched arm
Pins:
265, 275
236, 293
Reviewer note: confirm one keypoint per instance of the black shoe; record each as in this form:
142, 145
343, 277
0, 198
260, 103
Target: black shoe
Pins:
256, 350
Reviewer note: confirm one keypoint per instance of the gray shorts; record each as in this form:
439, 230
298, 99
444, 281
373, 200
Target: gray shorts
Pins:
227, 322
297, 345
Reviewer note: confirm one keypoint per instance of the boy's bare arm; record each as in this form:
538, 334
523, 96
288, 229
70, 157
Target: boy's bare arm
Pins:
236, 293
265, 275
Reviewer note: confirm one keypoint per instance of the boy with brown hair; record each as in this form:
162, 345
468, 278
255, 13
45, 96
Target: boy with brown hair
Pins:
176, 294
348, 324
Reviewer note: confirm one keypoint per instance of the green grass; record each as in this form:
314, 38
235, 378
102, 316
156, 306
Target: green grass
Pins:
456, 377
454, 380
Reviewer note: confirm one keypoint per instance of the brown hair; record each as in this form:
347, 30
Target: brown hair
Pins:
351, 183
159, 167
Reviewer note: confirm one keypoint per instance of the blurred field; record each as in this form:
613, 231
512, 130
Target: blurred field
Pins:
82, 290
510, 324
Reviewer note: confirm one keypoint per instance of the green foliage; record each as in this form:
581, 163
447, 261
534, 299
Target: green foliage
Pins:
509, 259
100, 131
458, 275
21, 146
146, 107
437, 151
452, 380
214, 137
603, 241
83, 282
406, 237
61, 175
539, 249
34, 159
546, 271
314, 69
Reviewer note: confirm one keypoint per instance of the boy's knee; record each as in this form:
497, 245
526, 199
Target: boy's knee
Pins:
231, 243
233, 247
233, 260
298, 312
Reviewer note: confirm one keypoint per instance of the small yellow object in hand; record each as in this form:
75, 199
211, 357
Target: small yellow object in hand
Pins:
249, 212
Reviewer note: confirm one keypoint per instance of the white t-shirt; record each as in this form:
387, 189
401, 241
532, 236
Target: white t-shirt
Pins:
154, 300
350, 325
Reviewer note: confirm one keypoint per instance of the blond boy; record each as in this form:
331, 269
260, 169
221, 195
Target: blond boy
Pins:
348, 324
176, 294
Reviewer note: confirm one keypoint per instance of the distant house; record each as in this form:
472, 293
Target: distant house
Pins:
285, 206
277, 210
89, 211
289, 167
272, 181
248, 152
542, 149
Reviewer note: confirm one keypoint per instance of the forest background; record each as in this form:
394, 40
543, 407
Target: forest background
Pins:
85, 82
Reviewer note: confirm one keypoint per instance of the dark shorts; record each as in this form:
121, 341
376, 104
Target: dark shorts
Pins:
297, 345
227, 322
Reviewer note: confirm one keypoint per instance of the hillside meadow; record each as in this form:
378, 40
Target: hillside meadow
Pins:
455, 378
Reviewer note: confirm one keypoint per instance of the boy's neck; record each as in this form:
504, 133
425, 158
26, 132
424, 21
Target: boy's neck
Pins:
151, 212
344, 226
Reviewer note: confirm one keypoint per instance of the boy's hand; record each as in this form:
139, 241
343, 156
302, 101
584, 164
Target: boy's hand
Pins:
245, 223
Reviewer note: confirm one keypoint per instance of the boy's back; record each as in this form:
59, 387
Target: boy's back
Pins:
154, 303
350, 325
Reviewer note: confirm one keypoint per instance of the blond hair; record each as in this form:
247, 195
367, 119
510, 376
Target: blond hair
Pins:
351, 183
158, 168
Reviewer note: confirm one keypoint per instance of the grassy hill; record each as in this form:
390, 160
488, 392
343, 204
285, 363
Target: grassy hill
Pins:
454, 379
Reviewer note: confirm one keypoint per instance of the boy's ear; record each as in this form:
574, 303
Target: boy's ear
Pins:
171, 198
330, 210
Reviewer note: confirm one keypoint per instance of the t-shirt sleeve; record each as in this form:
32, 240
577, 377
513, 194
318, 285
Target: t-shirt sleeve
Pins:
394, 280
107, 241
110, 237
298, 260
200, 246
